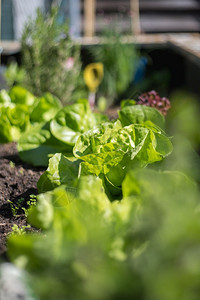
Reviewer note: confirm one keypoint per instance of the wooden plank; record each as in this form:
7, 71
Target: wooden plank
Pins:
89, 18
169, 23
141, 39
187, 45
10, 47
113, 20
105, 5
171, 5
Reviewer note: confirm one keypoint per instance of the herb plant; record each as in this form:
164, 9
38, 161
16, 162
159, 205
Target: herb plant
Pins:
50, 58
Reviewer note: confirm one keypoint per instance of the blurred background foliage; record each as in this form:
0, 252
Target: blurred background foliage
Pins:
119, 60
49, 57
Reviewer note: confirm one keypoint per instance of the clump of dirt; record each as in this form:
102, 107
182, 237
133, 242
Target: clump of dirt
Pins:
18, 181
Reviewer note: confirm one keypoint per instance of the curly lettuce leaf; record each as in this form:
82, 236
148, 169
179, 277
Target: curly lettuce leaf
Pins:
61, 170
20, 95
19, 109
14, 120
110, 150
6, 135
4, 97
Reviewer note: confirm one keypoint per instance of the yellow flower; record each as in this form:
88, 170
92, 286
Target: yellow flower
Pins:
93, 75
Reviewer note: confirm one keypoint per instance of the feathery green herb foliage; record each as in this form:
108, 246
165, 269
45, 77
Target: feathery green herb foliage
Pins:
50, 58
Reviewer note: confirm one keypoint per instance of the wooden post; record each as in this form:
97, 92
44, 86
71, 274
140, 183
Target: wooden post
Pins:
135, 16
89, 17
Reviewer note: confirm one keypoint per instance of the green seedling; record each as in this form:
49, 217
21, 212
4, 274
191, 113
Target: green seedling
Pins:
15, 206
19, 231
12, 164
32, 201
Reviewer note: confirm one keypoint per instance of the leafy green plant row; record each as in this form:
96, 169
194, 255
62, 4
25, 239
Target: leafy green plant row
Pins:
90, 144
115, 224
145, 246
91, 247
109, 150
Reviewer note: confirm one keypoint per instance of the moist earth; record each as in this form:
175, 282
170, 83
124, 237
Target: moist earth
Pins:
18, 181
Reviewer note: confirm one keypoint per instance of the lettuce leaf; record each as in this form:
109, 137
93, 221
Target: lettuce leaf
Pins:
138, 114
14, 121
20, 95
19, 109
61, 170
71, 121
37, 144
57, 135
45, 108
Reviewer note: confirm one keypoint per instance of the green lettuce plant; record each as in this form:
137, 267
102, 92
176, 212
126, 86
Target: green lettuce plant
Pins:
19, 109
144, 246
109, 150
58, 134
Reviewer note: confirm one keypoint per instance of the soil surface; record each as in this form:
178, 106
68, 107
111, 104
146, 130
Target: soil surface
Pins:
18, 181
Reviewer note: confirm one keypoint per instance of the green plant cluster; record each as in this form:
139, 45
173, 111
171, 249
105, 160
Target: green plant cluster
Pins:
145, 246
58, 134
20, 109
50, 58
116, 224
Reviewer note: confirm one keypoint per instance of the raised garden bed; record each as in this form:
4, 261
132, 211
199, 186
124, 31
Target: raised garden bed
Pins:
117, 210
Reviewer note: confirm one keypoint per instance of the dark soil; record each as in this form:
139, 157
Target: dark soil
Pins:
18, 181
